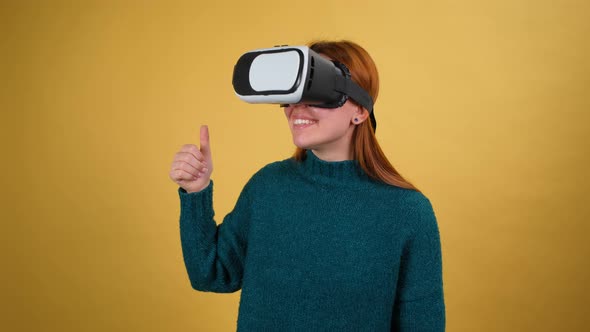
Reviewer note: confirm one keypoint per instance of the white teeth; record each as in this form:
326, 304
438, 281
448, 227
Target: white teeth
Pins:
302, 121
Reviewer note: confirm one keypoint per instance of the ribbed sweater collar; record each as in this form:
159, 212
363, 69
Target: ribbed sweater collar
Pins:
346, 173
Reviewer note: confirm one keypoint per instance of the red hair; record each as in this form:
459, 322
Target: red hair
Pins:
365, 148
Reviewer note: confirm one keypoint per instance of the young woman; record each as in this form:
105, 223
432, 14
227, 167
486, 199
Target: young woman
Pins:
331, 239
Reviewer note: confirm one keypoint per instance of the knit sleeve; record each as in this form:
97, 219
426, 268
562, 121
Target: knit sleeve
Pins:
419, 303
213, 254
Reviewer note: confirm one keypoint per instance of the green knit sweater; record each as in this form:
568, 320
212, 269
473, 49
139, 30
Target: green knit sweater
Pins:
318, 246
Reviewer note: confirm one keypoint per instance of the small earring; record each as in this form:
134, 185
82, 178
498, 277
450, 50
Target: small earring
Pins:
356, 120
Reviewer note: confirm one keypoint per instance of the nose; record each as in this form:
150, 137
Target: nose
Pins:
298, 108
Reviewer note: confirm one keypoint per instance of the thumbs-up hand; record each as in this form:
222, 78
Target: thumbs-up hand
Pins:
192, 166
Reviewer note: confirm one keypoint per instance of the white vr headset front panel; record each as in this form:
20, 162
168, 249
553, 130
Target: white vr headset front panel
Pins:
278, 71
274, 71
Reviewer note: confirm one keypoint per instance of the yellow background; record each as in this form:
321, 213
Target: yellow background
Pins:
484, 105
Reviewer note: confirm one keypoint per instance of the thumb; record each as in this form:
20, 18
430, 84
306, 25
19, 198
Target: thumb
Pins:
205, 149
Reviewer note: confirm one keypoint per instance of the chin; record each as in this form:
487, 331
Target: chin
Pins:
302, 144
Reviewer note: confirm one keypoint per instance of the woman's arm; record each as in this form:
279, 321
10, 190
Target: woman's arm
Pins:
419, 304
213, 254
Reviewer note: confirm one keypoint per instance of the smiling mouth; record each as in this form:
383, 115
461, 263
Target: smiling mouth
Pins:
302, 122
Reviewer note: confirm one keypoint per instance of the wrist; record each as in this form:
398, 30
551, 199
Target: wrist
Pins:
198, 189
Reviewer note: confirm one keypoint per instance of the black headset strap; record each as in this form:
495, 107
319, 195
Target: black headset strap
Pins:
344, 84
351, 89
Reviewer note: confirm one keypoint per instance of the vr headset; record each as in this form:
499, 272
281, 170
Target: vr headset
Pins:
296, 74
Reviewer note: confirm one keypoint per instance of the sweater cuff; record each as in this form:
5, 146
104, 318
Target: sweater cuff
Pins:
200, 201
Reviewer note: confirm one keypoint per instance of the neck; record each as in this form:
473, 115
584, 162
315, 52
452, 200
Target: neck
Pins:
338, 150
332, 155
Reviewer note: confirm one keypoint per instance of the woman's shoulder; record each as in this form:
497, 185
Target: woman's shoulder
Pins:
421, 212
415, 207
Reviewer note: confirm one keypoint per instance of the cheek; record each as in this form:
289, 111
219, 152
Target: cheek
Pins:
337, 119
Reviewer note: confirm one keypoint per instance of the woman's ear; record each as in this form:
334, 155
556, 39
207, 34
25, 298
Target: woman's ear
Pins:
360, 115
